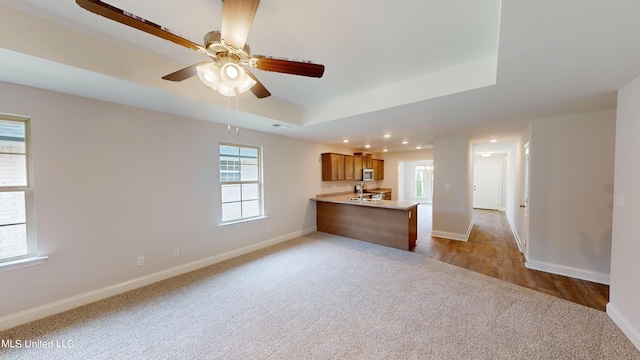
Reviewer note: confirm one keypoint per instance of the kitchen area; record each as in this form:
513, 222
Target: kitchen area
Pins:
365, 212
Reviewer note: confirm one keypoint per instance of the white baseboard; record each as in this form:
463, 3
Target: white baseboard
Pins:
43, 311
515, 235
453, 236
597, 277
631, 332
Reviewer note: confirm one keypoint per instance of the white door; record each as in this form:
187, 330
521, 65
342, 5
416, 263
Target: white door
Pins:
487, 181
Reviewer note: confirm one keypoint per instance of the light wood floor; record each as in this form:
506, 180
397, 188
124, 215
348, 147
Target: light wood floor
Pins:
492, 250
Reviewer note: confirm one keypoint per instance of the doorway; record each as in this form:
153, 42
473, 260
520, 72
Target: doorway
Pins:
415, 181
487, 186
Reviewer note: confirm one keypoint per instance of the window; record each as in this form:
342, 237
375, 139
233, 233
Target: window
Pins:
16, 239
240, 182
420, 181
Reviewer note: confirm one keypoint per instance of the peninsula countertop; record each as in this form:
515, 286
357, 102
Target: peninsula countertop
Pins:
345, 199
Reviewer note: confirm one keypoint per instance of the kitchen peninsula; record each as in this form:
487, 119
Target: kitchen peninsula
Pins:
383, 222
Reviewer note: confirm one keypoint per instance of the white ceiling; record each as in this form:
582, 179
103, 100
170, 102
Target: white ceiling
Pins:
416, 70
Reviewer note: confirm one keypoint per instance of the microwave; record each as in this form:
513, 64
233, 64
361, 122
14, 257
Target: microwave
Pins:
367, 174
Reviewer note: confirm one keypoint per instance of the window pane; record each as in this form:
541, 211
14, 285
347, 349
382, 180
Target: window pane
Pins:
249, 172
13, 241
250, 192
13, 231
231, 211
250, 209
12, 208
231, 193
248, 153
13, 170
233, 151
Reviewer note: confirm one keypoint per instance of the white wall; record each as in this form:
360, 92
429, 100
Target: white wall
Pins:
624, 294
112, 183
571, 195
453, 183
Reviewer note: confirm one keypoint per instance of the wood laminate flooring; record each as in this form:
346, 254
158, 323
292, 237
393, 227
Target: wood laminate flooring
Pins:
492, 250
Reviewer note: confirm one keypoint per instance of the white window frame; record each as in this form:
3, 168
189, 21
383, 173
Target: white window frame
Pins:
30, 258
259, 182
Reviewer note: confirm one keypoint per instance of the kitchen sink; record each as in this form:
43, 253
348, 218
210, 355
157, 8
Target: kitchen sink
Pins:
363, 199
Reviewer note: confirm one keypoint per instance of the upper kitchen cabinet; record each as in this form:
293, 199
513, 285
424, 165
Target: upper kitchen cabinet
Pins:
357, 167
333, 167
367, 160
349, 167
378, 169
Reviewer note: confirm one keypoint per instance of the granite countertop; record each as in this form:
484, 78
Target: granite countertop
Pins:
344, 199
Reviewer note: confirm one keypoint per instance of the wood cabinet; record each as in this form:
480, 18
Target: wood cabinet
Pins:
349, 168
367, 160
357, 167
333, 167
378, 169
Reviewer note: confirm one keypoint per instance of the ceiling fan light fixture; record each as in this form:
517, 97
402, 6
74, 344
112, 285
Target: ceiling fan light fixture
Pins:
232, 74
247, 84
218, 78
209, 74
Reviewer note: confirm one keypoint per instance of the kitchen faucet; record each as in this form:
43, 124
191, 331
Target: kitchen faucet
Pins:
360, 191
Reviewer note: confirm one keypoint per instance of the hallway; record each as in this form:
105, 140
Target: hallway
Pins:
492, 250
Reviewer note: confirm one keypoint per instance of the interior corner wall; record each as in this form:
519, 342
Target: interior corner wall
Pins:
452, 189
571, 194
624, 294
113, 182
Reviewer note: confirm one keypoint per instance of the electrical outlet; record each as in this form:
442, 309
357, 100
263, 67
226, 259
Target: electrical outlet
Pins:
140, 260
176, 252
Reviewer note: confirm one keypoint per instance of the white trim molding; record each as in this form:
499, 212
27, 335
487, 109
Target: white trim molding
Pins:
56, 307
20, 263
453, 236
600, 278
515, 236
631, 332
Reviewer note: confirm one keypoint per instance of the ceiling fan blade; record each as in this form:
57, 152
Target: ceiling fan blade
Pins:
303, 68
185, 73
126, 18
258, 89
237, 17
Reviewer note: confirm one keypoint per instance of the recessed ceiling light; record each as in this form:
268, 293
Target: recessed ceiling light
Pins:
280, 126
405, 142
345, 141
485, 155
494, 140
367, 146
386, 136
418, 147
385, 150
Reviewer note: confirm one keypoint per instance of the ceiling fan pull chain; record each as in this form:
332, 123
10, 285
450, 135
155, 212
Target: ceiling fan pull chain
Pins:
228, 116
237, 91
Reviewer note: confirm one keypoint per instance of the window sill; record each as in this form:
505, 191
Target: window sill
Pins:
20, 263
232, 223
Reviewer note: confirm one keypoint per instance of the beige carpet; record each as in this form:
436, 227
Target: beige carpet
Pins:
326, 297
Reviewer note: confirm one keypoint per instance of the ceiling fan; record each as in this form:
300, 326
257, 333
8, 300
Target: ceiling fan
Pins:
230, 54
